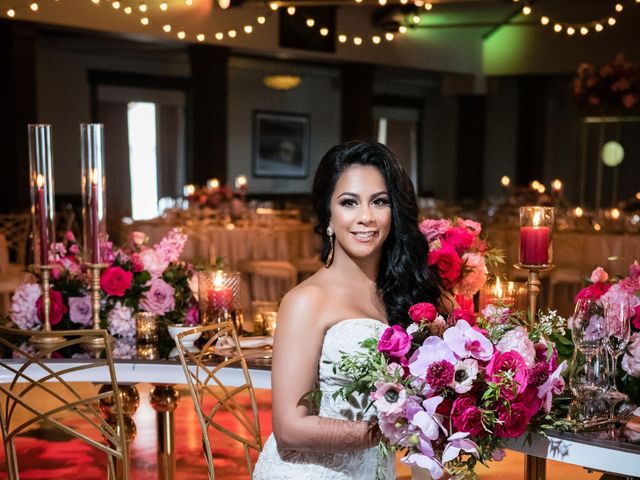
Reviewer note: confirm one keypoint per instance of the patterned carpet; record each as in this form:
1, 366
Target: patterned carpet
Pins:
44, 453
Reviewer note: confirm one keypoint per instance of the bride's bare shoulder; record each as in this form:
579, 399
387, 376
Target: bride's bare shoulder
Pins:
308, 300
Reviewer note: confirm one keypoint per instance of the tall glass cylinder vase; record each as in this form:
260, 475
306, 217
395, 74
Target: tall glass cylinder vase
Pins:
536, 230
42, 194
94, 195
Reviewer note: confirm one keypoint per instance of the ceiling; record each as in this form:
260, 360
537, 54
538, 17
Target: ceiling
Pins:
453, 35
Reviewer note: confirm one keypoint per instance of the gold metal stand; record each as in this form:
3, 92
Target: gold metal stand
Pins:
95, 298
54, 338
533, 288
164, 400
129, 402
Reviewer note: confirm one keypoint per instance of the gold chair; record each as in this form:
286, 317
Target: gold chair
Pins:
15, 227
204, 384
36, 390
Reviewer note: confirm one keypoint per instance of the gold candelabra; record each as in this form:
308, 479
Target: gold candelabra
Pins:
95, 269
53, 338
533, 288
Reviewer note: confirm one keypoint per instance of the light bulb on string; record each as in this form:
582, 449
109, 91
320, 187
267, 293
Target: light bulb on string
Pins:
402, 29
11, 13
611, 21
619, 7
273, 6
181, 35
167, 28
428, 6
342, 38
116, 5
544, 20
324, 31
200, 37
357, 40
144, 21
219, 35
261, 20
164, 6
388, 36
232, 33
557, 28
142, 7
382, 2
599, 27
291, 10
34, 6
376, 39
127, 10
188, 3
584, 30
571, 30
248, 29
526, 10
310, 22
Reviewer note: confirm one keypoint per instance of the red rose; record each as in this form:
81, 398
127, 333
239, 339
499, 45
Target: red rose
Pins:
459, 238
462, 314
115, 281
461, 403
394, 341
448, 263
593, 292
512, 423
423, 312
57, 308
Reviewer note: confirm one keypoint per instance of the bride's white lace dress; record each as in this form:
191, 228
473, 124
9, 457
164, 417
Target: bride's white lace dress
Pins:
275, 463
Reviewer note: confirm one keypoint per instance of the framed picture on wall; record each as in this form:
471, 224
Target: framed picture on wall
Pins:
280, 144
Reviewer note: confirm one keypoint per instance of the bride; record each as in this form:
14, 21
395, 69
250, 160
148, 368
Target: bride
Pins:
375, 261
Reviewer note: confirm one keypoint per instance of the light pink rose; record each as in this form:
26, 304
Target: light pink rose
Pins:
599, 275
432, 229
80, 310
153, 262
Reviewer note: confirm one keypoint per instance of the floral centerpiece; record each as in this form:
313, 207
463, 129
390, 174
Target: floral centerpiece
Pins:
459, 255
137, 279
447, 391
615, 85
625, 291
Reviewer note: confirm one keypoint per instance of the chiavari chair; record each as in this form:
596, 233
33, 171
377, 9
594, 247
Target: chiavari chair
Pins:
33, 389
216, 403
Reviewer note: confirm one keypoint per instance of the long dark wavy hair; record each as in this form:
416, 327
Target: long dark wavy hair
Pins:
404, 277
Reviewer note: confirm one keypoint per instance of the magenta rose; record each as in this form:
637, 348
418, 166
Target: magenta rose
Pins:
423, 312
466, 315
116, 281
461, 403
159, 298
459, 238
530, 401
502, 362
394, 341
470, 420
57, 310
513, 422
192, 316
636, 318
448, 263
593, 292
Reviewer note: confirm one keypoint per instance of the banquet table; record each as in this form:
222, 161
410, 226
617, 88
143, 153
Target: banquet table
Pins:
288, 240
618, 454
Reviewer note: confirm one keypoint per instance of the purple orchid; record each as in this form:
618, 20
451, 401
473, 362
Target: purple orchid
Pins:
465, 341
553, 386
459, 442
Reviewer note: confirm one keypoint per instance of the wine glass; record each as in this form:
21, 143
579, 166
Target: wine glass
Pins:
618, 327
588, 329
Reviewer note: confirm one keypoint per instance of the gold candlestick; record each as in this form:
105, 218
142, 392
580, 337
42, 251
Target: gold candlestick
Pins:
533, 288
45, 272
95, 299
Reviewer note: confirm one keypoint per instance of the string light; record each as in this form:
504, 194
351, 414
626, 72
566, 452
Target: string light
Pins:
34, 6
232, 33
163, 6
188, 3
584, 28
248, 29
181, 35
167, 28
382, 2
261, 20
402, 29
219, 35
200, 37
128, 10
291, 10
342, 38
142, 7
273, 6
357, 40
428, 6
376, 39
324, 31
144, 21
11, 13
310, 22
388, 36
116, 5
415, 19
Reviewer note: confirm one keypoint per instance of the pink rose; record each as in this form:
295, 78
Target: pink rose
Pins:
57, 310
136, 263
503, 362
461, 403
593, 292
192, 316
80, 310
513, 422
423, 312
447, 262
115, 281
599, 275
462, 314
394, 341
159, 298
459, 238
154, 262
138, 239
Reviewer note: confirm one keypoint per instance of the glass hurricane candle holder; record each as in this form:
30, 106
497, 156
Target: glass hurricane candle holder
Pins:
146, 327
42, 195
536, 229
94, 196
218, 292
264, 316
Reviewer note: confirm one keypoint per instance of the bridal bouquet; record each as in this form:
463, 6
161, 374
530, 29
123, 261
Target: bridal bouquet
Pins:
626, 292
458, 254
137, 279
447, 391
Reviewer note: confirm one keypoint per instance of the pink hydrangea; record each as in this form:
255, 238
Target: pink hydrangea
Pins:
23, 306
475, 274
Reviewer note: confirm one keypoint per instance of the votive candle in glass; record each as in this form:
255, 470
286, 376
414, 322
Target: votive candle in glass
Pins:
536, 228
42, 194
94, 196
218, 290
146, 327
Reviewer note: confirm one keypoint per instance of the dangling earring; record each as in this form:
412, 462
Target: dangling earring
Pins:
332, 240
